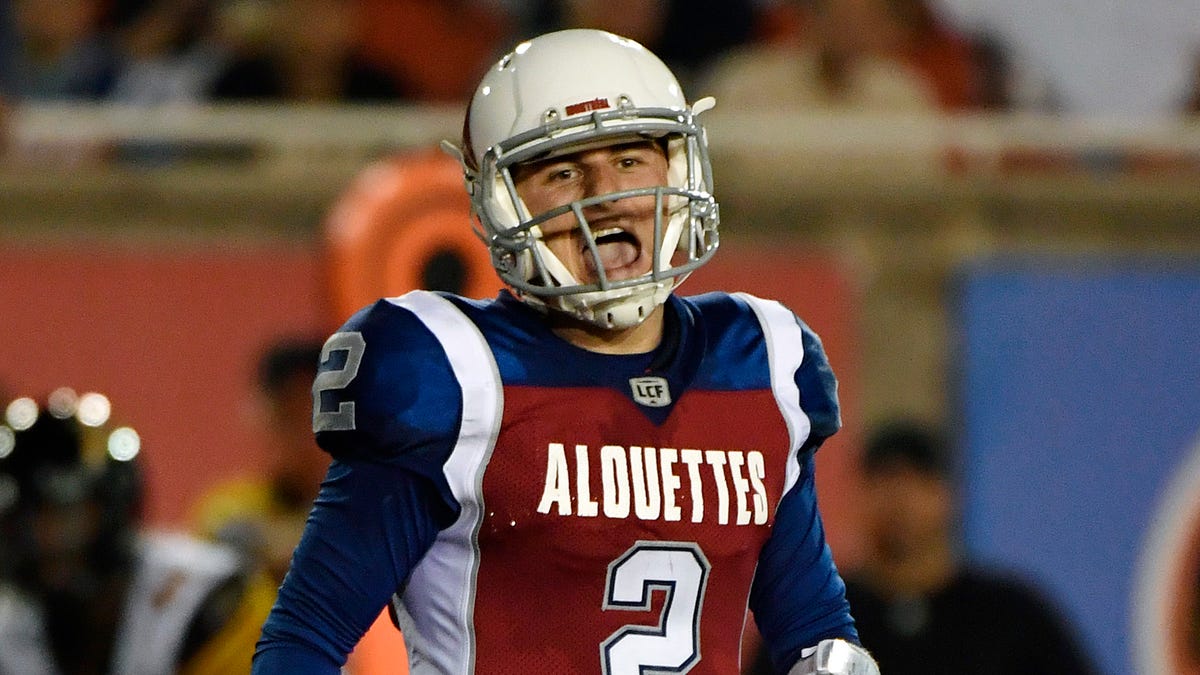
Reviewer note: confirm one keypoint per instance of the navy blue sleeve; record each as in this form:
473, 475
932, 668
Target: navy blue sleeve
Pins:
818, 391
387, 408
369, 526
798, 597
385, 392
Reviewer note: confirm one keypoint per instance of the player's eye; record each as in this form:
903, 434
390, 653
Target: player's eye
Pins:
635, 156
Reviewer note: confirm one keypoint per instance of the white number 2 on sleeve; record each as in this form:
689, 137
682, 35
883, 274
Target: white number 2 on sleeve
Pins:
679, 569
341, 418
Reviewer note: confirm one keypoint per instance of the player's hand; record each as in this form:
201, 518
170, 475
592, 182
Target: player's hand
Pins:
835, 657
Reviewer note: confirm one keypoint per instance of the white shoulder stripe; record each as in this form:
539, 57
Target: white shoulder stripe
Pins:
785, 353
456, 553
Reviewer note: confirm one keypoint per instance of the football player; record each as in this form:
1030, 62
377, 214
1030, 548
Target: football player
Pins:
589, 473
82, 588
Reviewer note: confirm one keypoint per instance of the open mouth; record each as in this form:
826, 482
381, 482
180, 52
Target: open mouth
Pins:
618, 251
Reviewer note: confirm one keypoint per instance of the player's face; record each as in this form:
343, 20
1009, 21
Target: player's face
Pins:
623, 229
908, 512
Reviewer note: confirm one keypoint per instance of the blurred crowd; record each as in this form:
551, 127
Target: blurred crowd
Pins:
889, 54
862, 55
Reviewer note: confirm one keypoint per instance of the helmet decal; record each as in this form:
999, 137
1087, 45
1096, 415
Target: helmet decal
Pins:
588, 106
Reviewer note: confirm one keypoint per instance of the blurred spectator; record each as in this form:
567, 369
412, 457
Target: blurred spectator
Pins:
62, 50
686, 34
299, 51
995, 85
8, 81
846, 56
944, 57
696, 31
1000, 81
264, 516
167, 51
1125, 58
435, 50
918, 606
83, 589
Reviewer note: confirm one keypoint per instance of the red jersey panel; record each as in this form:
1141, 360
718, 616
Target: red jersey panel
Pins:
578, 478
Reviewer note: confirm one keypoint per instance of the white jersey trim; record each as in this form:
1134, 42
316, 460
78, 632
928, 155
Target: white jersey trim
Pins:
455, 553
785, 352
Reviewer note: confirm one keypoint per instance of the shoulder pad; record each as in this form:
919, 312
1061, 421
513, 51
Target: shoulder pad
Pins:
384, 388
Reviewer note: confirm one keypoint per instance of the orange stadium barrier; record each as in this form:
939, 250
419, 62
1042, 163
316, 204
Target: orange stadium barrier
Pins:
404, 223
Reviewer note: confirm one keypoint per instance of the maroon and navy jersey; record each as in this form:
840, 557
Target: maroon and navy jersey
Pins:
540, 508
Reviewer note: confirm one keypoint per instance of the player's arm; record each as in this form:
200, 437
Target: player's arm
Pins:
798, 597
370, 525
385, 400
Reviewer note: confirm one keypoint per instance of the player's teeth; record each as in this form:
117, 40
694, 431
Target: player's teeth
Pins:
604, 233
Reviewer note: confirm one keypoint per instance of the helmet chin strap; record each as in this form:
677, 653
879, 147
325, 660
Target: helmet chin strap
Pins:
613, 309
602, 309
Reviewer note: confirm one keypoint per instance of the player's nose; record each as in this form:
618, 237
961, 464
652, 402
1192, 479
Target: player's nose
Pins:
601, 179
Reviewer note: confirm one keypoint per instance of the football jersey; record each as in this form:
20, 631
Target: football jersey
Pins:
171, 579
595, 513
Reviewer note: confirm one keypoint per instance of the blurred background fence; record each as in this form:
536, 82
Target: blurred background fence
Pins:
901, 201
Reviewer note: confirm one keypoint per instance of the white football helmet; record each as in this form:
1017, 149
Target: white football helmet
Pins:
572, 90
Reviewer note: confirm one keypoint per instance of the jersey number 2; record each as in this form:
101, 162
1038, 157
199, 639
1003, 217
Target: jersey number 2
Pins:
342, 417
679, 569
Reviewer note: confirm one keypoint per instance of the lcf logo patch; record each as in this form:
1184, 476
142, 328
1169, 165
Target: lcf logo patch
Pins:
650, 391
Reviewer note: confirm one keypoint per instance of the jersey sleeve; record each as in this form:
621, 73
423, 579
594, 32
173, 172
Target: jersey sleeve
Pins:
798, 596
385, 393
386, 406
802, 377
818, 391
369, 526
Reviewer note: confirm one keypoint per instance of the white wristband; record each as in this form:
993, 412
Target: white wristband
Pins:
835, 657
